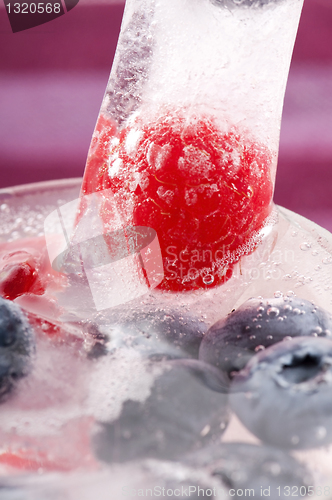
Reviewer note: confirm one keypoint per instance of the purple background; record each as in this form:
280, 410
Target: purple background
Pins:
53, 77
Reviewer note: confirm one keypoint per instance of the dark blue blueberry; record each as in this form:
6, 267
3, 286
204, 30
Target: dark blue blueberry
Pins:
251, 468
284, 394
181, 414
16, 346
156, 334
260, 323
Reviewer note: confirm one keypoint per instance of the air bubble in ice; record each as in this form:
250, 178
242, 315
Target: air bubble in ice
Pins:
320, 432
274, 468
205, 431
278, 294
208, 279
327, 260
252, 337
273, 312
295, 440
250, 395
305, 246
259, 348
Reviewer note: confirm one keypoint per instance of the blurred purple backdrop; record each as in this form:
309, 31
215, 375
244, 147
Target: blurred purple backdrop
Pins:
53, 77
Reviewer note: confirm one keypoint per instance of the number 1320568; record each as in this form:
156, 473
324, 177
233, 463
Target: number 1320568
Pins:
33, 8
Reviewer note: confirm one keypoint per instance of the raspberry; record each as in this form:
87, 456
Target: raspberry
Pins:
19, 275
206, 192
25, 269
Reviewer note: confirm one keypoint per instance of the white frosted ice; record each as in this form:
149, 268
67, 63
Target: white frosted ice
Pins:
207, 57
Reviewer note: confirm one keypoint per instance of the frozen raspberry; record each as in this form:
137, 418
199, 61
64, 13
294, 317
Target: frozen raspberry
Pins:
19, 274
206, 192
25, 269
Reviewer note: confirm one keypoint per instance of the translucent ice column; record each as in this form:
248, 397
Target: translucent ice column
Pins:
188, 132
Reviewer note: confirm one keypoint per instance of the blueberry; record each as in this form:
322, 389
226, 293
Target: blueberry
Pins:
284, 394
157, 334
248, 468
257, 324
180, 414
16, 346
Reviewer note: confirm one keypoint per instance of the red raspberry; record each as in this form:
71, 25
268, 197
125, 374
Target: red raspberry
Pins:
19, 275
25, 268
206, 192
